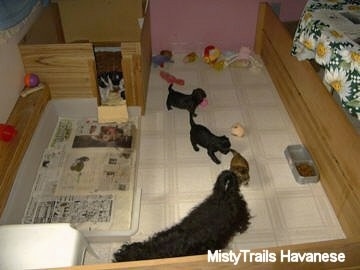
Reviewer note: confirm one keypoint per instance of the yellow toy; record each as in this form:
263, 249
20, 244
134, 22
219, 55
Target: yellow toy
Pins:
189, 58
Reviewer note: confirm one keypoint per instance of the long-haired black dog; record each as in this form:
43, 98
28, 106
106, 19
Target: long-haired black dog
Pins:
184, 101
201, 135
209, 226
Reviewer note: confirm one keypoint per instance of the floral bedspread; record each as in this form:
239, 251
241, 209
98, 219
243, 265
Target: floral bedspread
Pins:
329, 32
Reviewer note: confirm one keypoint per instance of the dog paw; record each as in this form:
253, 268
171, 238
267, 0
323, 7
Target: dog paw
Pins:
215, 159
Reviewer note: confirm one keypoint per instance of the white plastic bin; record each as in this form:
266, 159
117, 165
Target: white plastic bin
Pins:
27, 172
37, 246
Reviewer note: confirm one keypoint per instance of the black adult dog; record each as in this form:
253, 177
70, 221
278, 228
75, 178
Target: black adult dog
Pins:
201, 135
184, 101
209, 226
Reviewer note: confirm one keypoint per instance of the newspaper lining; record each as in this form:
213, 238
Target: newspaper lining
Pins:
86, 176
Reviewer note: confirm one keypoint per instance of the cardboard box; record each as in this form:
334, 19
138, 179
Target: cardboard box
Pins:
59, 47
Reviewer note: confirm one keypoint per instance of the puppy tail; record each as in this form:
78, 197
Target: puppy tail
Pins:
226, 183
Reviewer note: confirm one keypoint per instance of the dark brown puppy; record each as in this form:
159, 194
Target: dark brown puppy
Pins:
184, 101
240, 167
200, 135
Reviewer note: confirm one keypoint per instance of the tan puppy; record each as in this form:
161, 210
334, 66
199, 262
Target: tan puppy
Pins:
240, 167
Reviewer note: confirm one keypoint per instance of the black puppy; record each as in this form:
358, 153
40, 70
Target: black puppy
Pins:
200, 135
184, 101
209, 226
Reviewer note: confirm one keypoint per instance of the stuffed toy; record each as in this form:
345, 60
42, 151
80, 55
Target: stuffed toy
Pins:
190, 57
171, 78
237, 130
211, 54
165, 56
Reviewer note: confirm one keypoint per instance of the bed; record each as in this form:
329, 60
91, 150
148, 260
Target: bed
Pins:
61, 47
323, 129
327, 35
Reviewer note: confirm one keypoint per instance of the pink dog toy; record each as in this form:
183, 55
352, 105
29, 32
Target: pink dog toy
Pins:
204, 103
170, 78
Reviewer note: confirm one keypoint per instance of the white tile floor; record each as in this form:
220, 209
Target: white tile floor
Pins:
174, 178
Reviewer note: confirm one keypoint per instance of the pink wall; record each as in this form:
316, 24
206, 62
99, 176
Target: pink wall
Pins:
191, 25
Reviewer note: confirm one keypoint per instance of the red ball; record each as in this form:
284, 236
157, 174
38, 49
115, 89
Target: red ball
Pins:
7, 132
31, 80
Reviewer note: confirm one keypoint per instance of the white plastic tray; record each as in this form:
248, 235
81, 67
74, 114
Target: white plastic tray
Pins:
26, 175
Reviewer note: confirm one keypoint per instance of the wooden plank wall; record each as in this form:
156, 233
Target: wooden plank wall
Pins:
146, 52
68, 69
136, 63
320, 122
131, 67
24, 117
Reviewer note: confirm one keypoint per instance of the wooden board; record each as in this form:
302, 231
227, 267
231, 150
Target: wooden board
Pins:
319, 120
68, 69
349, 247
24, 117
136, 64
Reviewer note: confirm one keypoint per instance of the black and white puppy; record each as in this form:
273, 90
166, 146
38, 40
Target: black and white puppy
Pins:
201, 135
184, 101
109, 82
209, 226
